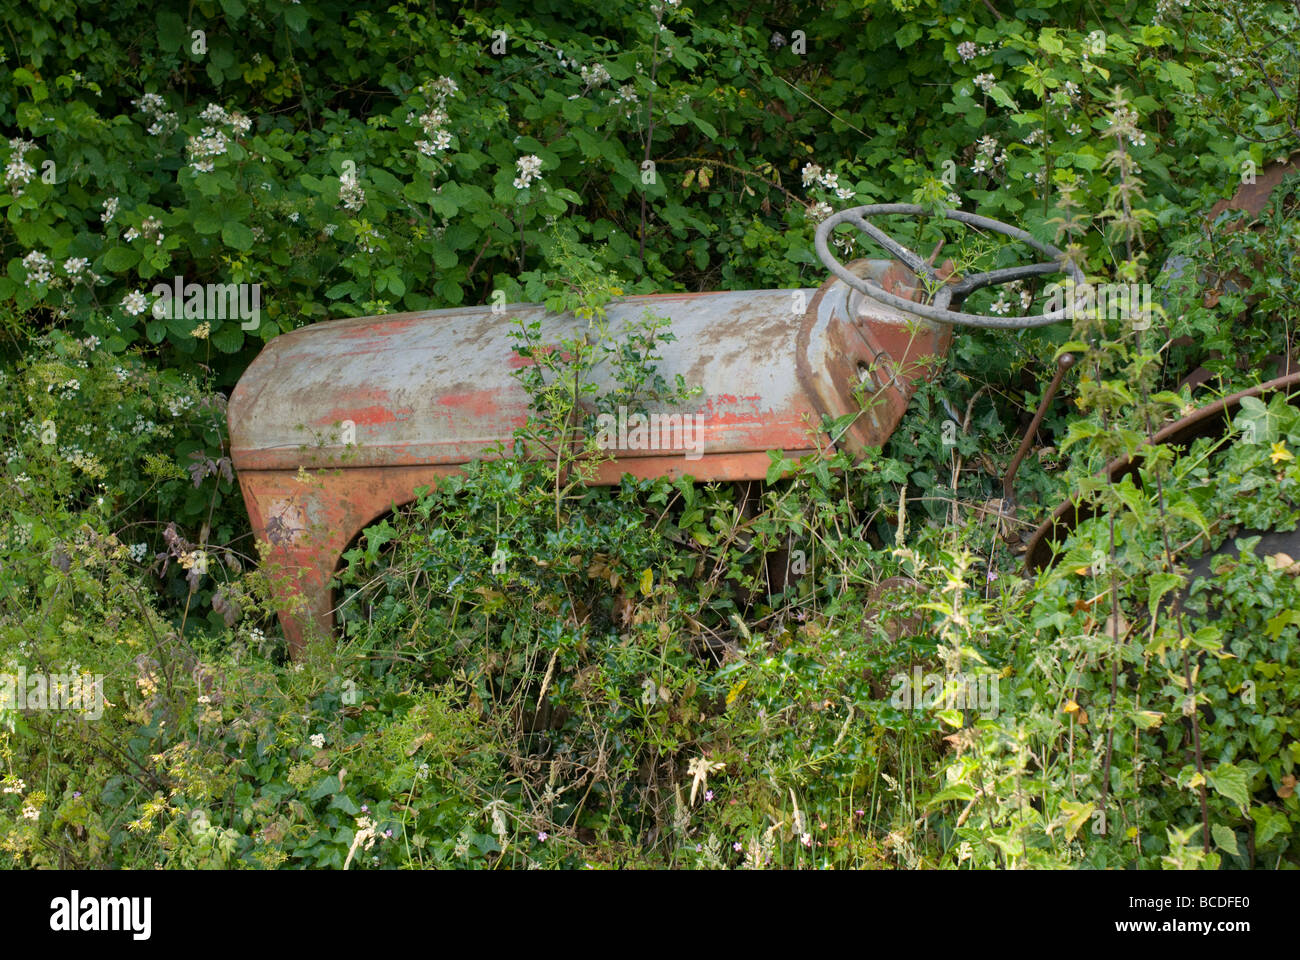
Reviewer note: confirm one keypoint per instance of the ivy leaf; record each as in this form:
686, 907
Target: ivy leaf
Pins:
327, 787
1268, 824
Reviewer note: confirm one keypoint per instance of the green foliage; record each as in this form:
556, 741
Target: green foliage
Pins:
838, 667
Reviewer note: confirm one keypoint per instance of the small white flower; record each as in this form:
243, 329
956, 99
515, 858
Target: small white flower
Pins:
966, 50
318, 740
38, 267
134, 303
351, 195
529, 169
596, 76
819, 212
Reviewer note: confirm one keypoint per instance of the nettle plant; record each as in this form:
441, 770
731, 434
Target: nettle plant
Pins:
1142, 740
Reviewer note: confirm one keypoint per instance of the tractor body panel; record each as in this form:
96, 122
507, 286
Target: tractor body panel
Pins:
335, 424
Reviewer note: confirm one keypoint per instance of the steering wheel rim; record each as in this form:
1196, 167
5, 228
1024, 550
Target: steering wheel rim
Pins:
938, 312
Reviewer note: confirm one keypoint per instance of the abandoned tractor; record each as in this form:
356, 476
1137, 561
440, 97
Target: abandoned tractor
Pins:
376, 407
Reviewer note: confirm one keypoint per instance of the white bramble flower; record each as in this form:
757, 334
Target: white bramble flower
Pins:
529, 170
442, 88
110, 210
777, 40
985, 81
37, 266
967, 51
596, 76
820, 211
154, 107
1074, 129
1001, 305
351, 195
134, 303
210, 143
626, 94
74, 265
433, 120
150, 103
213, 113
19, 172
431, 148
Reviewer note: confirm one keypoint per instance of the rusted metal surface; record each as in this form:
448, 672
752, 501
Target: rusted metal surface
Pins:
1063, 363
426, 393
1214, 419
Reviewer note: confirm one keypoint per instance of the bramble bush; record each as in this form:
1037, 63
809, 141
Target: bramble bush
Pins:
660, 673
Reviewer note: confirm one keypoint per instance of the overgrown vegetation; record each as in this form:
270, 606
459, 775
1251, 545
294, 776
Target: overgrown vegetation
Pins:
533, 672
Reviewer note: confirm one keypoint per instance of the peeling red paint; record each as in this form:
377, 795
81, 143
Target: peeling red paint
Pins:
369, 416
380, 328
478, 403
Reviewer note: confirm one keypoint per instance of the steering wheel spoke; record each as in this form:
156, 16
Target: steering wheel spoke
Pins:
899, 252
1005, 275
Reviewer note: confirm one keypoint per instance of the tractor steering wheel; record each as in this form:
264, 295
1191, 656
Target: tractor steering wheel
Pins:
948, 291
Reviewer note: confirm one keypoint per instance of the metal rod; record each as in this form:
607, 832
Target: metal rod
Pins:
1065, 362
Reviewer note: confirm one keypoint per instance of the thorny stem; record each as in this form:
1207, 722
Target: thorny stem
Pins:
650, 123
1168, 559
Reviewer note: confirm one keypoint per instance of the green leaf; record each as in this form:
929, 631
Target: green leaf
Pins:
345, 803
1158, 584
1269, 823
171, 31
1230, 781
237, 235
908, 35
228, 338
1225, 839
1074, 815
120, 258
327, 787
